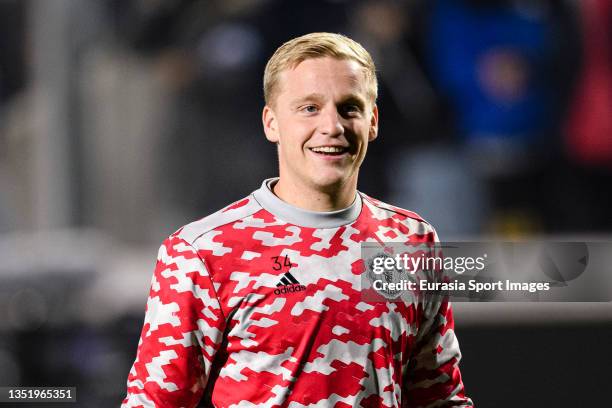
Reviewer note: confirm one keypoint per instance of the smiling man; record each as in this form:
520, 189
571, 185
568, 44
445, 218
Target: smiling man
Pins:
321, 113
260, 304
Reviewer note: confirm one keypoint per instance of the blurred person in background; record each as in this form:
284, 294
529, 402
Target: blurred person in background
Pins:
172, 86
259, 303
505, 69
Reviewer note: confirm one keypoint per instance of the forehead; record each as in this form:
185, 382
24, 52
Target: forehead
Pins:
326, 75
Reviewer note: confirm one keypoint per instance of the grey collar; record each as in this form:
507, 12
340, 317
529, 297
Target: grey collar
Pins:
305, 218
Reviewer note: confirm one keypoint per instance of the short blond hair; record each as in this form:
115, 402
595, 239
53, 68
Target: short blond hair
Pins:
317, 45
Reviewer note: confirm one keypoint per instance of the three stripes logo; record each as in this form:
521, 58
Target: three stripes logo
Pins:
288, 284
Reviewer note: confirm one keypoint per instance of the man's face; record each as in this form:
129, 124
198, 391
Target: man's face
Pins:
322, 120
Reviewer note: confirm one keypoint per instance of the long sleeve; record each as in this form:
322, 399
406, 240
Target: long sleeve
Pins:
433, 378
182, 330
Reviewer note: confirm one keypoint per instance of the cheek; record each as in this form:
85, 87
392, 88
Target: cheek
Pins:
294, 137
362, 134
291, 144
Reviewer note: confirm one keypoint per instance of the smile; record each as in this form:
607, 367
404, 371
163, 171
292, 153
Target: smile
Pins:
330, 150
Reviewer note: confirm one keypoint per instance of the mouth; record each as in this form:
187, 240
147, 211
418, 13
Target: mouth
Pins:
330, 151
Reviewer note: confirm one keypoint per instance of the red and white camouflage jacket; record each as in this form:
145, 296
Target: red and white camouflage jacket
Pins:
259, 305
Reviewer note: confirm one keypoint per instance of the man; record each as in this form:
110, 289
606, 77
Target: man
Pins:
259, 304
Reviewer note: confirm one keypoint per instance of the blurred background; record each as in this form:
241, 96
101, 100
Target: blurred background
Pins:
121, 120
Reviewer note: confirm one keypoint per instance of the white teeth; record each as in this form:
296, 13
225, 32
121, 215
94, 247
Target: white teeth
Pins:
328, 149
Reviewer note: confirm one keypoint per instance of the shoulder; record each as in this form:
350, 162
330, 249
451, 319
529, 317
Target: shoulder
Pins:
391, 208
381, 210
234, 212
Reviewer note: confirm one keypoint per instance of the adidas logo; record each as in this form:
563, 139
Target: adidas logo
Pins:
288, 284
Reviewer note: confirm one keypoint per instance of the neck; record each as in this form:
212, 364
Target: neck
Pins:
313, 199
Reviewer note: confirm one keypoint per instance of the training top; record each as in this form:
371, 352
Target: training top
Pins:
260, 305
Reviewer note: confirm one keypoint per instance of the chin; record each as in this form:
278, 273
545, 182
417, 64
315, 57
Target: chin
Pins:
330, 181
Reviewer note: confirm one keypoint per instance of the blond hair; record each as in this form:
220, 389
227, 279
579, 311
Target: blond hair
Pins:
317, 45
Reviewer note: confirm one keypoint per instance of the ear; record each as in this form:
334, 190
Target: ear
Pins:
373, 124
270, 124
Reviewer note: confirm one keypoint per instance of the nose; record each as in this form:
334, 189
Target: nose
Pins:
331, 122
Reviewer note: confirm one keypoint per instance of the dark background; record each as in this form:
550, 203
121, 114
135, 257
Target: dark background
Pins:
120, 121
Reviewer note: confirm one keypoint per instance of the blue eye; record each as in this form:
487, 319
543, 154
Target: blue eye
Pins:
310, 109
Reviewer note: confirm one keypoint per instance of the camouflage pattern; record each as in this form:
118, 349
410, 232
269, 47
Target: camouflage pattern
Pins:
249, 310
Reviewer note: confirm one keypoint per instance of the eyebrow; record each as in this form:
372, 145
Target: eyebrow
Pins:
316, 97
355, 100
